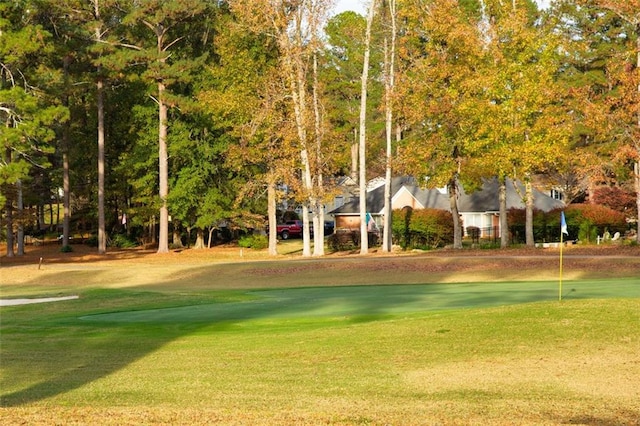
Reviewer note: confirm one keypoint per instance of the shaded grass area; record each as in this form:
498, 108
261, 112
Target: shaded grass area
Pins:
371, 301
403, 354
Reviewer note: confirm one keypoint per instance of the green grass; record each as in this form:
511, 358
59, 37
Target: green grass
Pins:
368, 301
471, 353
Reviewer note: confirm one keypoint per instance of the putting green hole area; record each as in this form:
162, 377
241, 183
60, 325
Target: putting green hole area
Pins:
372, 301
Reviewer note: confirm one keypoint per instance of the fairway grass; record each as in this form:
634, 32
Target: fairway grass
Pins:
533, 363
415, 342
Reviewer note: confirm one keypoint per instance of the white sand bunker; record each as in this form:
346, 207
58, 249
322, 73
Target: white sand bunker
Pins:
12, 302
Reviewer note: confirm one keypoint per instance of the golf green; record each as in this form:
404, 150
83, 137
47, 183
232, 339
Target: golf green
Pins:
370, 301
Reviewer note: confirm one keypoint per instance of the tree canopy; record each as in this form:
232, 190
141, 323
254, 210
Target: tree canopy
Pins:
206, 119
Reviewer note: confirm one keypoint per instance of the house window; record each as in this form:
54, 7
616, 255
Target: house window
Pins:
556, 195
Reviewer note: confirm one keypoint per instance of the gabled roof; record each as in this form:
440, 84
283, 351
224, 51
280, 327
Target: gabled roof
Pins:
430, 198
482, 201
487, 200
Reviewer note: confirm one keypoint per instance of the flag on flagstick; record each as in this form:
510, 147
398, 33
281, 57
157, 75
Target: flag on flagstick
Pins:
563, 231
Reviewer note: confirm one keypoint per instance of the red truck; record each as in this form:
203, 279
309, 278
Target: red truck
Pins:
291, 228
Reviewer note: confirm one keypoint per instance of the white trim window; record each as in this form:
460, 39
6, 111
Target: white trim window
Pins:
556, 194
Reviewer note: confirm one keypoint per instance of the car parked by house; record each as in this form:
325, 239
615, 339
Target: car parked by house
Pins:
290, 229
293, 229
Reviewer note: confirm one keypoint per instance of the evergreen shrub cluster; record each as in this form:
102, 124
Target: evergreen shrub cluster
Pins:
254, 241
423, 229
122, 241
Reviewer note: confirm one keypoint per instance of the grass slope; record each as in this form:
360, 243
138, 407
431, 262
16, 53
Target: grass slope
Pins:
289, 343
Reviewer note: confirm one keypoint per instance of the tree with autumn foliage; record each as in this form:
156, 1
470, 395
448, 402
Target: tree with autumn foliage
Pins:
618, 110
246, 95
341, 73
438, 91
525, 122
295, 29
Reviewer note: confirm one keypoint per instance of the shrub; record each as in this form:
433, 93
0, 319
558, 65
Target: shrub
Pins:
122, 241
400, 226
473, 232
92, 241
541, 231
257, 242
587, 221
66, 249
587, 232
599, 215
425, 228
344, 239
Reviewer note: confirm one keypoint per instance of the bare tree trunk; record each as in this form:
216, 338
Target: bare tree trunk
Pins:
102, 234
8, 203
318, 208
200, 239
211, 229
306, 232
504, 226
152, 230
530, 240
9, 220
40, 214
389, 59
306, 166
9, 212
273, 220
66, 189
163, 240
20, 233
362, 151
453, 203
295, 73
66, 184
318, 232
177, 236
354, 156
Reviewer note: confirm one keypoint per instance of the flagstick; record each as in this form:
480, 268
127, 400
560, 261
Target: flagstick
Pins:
560, 282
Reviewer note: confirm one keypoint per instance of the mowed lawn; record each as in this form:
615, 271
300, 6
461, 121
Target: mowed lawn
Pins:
196, 343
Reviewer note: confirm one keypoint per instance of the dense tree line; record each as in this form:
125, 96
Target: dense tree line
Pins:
191, 116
